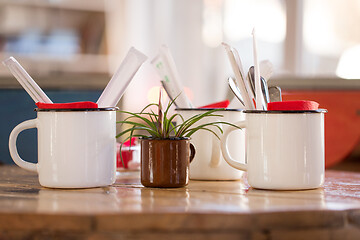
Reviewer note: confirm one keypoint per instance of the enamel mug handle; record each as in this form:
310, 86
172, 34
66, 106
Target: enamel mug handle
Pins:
192, 152
225, 150
12, 145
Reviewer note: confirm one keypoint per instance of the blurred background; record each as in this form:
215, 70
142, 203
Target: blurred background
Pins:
72, 47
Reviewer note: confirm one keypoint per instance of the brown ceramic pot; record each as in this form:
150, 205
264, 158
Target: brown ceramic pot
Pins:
165, 162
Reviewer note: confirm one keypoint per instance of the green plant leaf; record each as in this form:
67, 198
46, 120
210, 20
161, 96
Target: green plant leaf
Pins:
137, 126
151, 124
156, 121
147, 106
198, 117
130, 117
167, 121
206, 129
191, 121
169, 124
195, 129
160, 116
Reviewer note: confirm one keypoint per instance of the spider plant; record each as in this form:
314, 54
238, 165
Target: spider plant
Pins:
160, 125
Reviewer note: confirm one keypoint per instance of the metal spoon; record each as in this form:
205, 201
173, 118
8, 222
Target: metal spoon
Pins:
265, 90
275, 94
250, 78
264, 86
235, 89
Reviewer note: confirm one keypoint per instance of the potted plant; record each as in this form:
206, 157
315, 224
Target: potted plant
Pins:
166, 151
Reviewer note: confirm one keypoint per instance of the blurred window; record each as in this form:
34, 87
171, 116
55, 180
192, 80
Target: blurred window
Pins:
332, 38
325, 35
269, 18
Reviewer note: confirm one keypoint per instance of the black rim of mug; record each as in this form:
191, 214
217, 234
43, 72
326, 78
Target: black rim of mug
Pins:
286, 111
76, 109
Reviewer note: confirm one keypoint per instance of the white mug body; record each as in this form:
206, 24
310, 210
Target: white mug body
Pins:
284, 150
76, 148
208, 163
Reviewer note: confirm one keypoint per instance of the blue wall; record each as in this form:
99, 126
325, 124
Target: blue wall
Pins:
17, 106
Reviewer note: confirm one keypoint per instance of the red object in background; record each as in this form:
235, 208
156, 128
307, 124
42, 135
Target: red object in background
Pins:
299, 105
130, 142
342, 122
222, 104
72, 105
127, 156
126, 153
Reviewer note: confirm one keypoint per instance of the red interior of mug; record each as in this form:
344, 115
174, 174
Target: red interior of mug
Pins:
72, 105
298, 105
222, 104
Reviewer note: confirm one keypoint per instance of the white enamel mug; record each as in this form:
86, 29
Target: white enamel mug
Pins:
76, 147
284, 149
208, 163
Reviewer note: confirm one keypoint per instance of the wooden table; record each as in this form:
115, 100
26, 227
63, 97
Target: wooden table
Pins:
203, 210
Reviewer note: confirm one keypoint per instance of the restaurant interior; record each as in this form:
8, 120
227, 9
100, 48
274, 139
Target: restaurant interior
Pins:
72, 48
